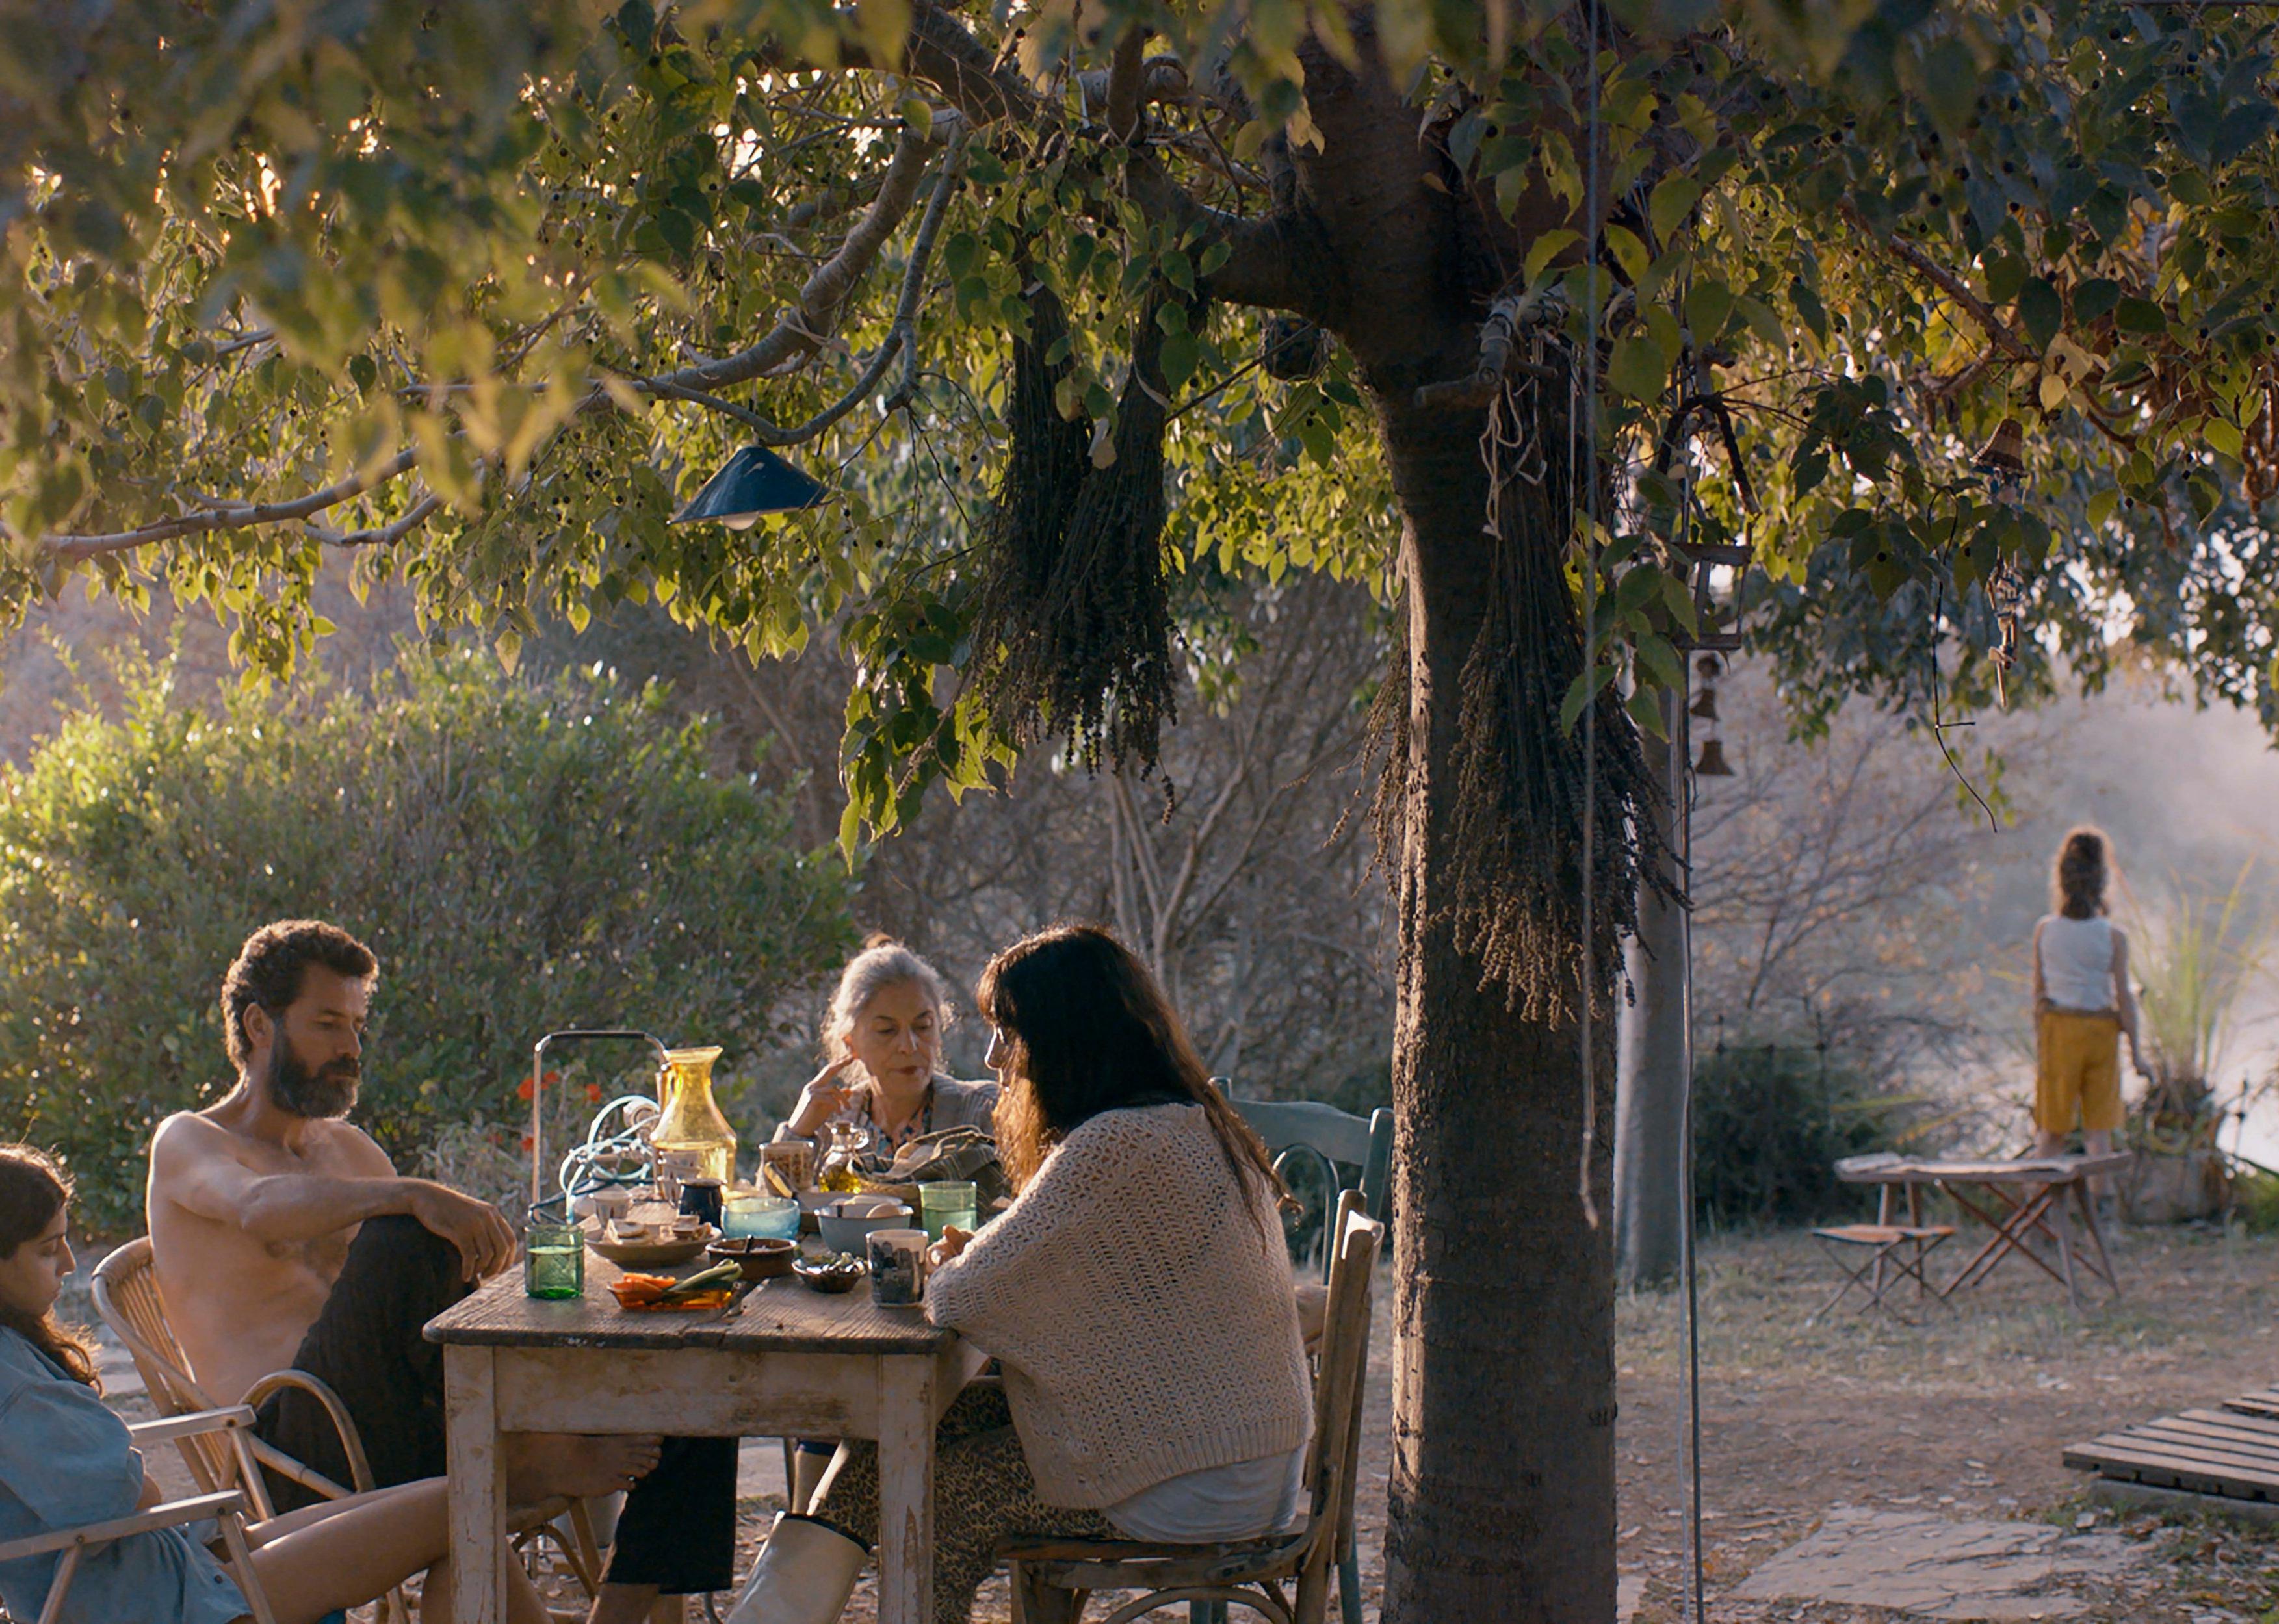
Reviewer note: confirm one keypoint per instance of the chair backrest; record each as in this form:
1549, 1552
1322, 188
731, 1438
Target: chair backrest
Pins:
1307, 1129
127, 1299
1332, 1459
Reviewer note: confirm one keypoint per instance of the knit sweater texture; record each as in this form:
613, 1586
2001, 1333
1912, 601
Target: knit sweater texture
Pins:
1145, 1323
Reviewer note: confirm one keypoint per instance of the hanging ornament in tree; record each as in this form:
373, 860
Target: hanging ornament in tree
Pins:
1706, 668
2002, 459
755, 481
2006, 591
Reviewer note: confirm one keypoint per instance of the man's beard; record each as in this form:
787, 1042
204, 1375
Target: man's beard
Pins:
297, 1092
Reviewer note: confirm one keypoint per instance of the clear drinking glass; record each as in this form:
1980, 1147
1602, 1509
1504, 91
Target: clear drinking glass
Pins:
950, 1201
553, 1259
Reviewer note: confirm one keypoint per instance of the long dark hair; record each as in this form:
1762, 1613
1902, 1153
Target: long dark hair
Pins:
1089, 1031
34, 1188
2077, 878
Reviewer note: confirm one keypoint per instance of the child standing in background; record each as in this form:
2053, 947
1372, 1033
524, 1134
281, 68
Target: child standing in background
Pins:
2083, 1003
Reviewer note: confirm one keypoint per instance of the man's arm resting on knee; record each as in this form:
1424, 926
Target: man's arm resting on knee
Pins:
205, 1179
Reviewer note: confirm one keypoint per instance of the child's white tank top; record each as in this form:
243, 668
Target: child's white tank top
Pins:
2077, 963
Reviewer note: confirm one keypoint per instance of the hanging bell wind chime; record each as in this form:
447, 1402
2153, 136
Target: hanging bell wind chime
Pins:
2002, 460
1707, 667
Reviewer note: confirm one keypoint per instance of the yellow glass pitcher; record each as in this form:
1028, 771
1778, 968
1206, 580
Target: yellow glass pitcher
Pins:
691, 1138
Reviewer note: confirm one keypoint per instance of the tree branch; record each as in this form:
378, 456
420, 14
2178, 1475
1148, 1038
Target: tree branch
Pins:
78, 549
1500, 356
1161, 79
799, 332
386, 535
1124, 73
1953, 286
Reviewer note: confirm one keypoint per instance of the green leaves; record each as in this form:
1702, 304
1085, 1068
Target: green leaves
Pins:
2041, 312
1638, 368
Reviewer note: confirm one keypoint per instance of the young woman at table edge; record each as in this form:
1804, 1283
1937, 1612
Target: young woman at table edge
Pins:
2083, 1002
1138, 1293
67, 1461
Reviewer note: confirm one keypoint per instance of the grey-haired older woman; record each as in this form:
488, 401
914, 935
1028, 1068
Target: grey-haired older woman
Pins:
882, 1049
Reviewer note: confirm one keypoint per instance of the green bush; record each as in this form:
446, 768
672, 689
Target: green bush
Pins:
521, 856
2255, 1199
1770, 1121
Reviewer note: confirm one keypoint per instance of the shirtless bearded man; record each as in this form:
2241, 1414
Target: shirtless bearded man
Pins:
283, 1236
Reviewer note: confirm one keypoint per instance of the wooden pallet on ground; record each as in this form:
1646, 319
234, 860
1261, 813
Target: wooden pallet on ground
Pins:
2232, 1452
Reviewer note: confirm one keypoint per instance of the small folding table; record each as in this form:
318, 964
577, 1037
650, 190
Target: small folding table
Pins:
2022, 1202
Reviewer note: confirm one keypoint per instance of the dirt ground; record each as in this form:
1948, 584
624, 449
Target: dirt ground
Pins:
1963, 1414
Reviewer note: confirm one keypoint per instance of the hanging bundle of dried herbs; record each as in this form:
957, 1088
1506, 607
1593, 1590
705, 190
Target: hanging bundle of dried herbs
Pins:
1046, 465
1516, 841
1074, 601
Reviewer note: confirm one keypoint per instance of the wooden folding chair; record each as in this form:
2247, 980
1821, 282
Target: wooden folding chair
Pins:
1888, 1254
127, 1299
1284, 1578
227, 1508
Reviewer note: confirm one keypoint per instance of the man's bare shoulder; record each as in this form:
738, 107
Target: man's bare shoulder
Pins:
191, 1135
192, 1138
356, 1148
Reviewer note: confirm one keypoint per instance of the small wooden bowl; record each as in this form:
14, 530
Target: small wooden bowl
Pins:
645, 1255
760, 1257
828, 1276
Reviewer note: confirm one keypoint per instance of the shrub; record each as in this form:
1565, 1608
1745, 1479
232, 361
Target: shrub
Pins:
1770, 1123
521, 856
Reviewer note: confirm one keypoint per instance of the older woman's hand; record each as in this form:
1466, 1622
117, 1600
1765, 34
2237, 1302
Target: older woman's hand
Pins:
953, 1242
824, 1097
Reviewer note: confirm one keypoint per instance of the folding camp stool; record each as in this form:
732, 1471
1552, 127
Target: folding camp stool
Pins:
1888, 1254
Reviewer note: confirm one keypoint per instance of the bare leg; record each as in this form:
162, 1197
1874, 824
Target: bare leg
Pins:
542, 1465
438, 1603
2048, 1144
340, 1555
624, 1603
807, 1468
2099, 1142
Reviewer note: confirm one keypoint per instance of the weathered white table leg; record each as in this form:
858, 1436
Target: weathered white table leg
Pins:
478, 1478
906, 1418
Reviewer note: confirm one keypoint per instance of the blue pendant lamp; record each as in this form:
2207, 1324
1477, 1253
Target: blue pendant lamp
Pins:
755, 481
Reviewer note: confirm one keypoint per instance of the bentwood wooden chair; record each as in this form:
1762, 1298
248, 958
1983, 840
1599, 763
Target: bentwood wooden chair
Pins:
1284, 1578
1307, 1133
127, 1299
223, 1430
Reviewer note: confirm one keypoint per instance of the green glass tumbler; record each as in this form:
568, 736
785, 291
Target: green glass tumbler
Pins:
553, 1260
951, 1201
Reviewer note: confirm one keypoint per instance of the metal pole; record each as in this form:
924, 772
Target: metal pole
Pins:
571, 1034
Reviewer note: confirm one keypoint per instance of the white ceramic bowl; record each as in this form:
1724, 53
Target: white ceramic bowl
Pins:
850, 1232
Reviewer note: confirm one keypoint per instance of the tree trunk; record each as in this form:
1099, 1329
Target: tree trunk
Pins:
1502, 1493
1652, 1056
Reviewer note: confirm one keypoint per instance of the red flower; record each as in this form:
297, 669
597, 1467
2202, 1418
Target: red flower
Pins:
593, 1093
525, 1141
552, 1078
523, 1092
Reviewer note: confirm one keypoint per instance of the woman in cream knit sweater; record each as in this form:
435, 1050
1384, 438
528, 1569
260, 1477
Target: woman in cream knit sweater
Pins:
1137, 1292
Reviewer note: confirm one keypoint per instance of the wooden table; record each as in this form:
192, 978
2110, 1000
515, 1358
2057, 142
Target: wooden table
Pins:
2016, 1200
785, 1362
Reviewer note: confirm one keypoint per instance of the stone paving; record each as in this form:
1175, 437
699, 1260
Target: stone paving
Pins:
1931, 1566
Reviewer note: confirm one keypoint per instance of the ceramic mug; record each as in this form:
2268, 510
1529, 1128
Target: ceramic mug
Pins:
898, 1267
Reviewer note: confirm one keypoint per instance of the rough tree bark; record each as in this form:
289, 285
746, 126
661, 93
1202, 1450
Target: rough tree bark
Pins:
1502, 1494
1502, 1497
1651, 1058
1501, 1500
